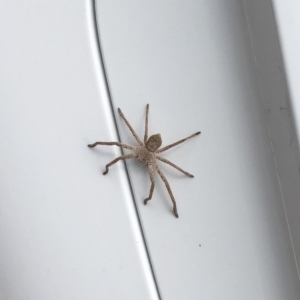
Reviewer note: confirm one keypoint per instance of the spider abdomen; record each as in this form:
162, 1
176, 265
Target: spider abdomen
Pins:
144, 155
154, 142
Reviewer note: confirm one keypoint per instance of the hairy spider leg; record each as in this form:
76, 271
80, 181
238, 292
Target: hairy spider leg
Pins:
130, 128
164, 179
113, 144
177, 143
151, 174
123, 157
146, 125
174, 166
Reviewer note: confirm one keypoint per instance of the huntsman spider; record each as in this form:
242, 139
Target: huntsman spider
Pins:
147, 153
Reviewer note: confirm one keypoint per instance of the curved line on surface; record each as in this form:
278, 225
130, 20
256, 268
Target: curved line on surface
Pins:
154, 288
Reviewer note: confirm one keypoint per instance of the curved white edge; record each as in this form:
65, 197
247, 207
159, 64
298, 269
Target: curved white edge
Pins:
132, 214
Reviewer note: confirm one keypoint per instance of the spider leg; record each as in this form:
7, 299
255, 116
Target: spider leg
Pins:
123, 157
146, 124
177, 143
111, 144
174, 166
151, 174
164, 179
131, 129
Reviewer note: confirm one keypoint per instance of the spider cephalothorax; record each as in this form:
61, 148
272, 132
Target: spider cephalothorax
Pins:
147, 153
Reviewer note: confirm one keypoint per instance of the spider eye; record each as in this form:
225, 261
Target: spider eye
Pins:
154, 142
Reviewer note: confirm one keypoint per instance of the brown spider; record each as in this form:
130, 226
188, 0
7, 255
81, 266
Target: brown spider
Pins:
147, 154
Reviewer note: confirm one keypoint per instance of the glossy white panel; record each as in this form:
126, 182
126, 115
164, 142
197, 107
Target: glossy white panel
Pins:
66, 231
194, 62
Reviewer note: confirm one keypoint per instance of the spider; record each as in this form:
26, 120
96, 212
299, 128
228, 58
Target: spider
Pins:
147, 153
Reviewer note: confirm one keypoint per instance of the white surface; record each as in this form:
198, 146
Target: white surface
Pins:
279, 108
194, 62
66, 231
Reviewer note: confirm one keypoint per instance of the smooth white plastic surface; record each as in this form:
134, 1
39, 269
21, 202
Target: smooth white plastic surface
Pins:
281, 108
197, 64
66, 231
